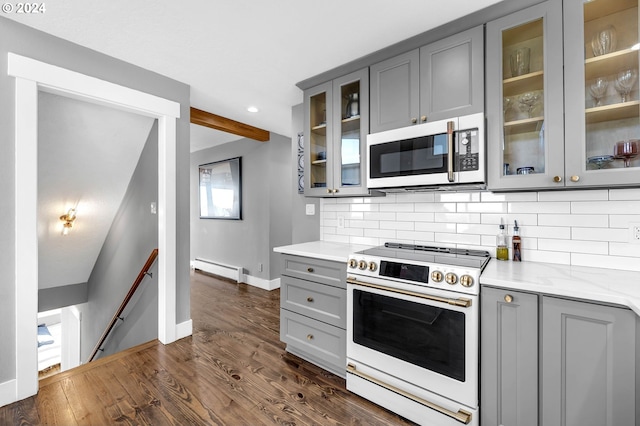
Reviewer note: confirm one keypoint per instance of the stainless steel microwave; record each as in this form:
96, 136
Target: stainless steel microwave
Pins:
437, 154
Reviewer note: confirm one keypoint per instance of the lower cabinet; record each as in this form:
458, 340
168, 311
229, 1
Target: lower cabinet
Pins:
313, 308
552, 361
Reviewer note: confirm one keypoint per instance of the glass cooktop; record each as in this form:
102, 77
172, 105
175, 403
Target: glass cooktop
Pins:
431, 254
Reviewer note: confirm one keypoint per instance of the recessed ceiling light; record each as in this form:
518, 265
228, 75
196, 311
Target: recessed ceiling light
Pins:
252, 109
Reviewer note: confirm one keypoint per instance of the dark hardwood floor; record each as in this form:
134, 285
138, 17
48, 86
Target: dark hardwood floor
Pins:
233, 370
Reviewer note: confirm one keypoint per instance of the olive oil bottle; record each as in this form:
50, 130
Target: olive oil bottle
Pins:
502, 250
516, 243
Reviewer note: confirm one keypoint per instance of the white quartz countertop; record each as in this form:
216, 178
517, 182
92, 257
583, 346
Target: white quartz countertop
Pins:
594, 284
326, 250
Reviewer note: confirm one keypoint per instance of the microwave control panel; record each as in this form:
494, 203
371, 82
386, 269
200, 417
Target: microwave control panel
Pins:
468, 153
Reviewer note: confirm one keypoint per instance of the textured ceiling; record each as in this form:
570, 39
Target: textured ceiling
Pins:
236, 53
86, 156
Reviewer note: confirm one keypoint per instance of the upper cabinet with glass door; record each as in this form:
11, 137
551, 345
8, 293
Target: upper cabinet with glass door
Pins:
601, 92
524, 99
337, 122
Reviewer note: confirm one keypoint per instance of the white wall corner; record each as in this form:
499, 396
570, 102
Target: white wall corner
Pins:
262, 283
184, 329
8, 392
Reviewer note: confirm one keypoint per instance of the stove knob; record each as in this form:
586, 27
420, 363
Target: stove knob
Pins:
353, 263
436, 276
373, 266
451, 278
466, 280
362, 265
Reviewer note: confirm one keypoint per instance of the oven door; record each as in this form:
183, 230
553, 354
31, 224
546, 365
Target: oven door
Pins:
427, 338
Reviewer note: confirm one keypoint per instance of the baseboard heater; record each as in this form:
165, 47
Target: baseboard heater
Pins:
228, 271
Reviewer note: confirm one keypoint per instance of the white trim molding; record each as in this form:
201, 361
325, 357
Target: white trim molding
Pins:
7, 392
184, 329
32, 76
262, 283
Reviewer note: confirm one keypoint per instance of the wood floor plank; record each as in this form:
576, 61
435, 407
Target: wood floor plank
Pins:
233, 370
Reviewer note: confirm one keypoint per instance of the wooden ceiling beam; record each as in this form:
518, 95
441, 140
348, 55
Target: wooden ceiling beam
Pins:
204, 118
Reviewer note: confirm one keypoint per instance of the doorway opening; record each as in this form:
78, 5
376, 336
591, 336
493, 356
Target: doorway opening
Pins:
32, 76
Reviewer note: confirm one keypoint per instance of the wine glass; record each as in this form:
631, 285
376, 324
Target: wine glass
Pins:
626, 150
527, 101
598, 88
624, 83
507, 103
604, 41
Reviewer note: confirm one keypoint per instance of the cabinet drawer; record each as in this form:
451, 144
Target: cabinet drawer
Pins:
316, 338
318, 301
318, 270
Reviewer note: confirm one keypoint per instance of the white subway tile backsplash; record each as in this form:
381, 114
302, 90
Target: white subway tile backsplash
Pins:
584, 220
573, 246
601, 195
458, 217
587, 227
540, 207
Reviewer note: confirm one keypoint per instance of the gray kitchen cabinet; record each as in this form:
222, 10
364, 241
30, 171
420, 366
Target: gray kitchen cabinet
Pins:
601, 54
509, 358
558, 114
579, 357
525, 126
336, 125
437, 81
313, 308
588, 364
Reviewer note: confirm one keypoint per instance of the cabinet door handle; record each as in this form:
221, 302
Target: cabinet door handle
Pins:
335, 191
328, 190
309, 270
309, 299
508, 298
423, 118
575, 178
557, 179
309, 336
414, 120
451, 152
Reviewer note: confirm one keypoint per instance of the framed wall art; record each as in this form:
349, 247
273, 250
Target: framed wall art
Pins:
221, 189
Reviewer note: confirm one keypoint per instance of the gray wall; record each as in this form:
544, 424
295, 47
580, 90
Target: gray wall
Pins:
266, 206
22, 40
131, 239
58, 297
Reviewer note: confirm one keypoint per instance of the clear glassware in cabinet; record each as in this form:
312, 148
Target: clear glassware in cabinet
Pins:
350, 124
318, 140
523, 99
611, 110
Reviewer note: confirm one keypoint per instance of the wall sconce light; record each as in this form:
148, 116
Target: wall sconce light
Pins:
68, 221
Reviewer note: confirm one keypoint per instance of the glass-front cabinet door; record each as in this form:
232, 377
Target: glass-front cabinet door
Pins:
336, 125
351, 115
524, 99
601, 92
318, 134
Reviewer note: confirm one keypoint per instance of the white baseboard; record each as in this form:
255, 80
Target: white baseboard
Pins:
8, 392
228, 271
262, 283
184, 329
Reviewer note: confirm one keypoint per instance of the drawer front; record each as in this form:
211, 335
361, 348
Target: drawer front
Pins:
318, 301
322, 271
316, 338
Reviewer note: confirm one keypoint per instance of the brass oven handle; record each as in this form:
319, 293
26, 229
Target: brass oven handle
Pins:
460, 301
461, 416
451, 150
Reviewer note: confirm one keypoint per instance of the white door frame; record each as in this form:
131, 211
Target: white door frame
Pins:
32, 76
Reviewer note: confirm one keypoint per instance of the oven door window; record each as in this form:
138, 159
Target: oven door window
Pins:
423, 335
418, 156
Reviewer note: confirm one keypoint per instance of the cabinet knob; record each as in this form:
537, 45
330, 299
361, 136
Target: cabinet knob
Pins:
335, 191
414, 120
309, 299
309, 336
508, 298
575, 178
423, 118
328, 190
309, 270
557, 179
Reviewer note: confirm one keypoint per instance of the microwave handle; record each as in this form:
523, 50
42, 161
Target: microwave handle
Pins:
450, 147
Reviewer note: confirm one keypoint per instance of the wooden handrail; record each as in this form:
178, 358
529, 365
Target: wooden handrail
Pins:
127, 298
